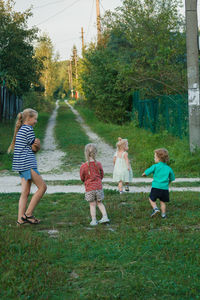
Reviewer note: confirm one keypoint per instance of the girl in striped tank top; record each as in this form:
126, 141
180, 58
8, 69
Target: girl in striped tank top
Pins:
91, 173
25, 145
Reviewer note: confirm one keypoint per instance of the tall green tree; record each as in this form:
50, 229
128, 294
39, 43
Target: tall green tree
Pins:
18, 66
44, 52
142, 47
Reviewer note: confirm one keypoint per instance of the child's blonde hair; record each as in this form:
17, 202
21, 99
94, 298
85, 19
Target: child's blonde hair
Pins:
162, 154
91, 152
121, 144
21, 118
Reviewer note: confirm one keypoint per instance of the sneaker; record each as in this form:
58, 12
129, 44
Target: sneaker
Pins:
104, 220
121, 192
93, 223
126, 188
155, 212
163, 216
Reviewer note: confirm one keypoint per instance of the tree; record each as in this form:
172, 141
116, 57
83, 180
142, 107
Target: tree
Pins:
44, 52
142, 47
18, 66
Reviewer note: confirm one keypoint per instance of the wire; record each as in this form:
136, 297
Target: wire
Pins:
90, 19
102, 5
59, 12
44, 5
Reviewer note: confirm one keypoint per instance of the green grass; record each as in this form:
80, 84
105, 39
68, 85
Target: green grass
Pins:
79, 182
70, 137
134, 258
6, 134
142, 144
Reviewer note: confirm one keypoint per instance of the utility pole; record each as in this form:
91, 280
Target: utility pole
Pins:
193, 73
82, 37
76, 70
70, 78
98, 22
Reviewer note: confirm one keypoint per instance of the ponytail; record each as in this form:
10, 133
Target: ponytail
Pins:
17, 127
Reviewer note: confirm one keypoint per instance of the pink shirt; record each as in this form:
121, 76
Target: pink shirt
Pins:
93, 178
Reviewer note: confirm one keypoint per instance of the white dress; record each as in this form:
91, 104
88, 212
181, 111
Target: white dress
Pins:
121, 172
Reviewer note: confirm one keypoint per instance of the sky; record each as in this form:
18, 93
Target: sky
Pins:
62, 20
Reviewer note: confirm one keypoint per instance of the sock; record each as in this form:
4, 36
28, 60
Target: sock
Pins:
163, 215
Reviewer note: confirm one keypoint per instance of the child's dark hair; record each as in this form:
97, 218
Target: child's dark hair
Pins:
162, 154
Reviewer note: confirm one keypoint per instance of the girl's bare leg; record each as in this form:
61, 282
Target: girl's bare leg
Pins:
93, 210
102, 208
26, 186
41, 185
120, 186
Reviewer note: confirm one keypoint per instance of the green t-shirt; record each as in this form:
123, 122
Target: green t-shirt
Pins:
162, 175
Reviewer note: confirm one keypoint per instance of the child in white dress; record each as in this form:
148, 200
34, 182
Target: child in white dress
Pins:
122, 172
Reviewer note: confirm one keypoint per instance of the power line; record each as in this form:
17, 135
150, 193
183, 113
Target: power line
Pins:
44, 5
59, 12
102, 5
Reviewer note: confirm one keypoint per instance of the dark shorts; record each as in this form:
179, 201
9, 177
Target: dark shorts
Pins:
162, 195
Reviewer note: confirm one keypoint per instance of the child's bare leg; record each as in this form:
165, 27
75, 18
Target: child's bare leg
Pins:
102, 208
153, 204
93, 210
26, 185
38, 181
120, 186
163, 207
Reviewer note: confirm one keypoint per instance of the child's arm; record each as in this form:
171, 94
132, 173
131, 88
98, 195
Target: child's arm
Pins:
126, 160
114, 160
36, 145
149, 171
82, 173
101, 170
171, 176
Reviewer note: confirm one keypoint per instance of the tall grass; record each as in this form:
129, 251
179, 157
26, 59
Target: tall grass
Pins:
71, 137
134, 258
142, 144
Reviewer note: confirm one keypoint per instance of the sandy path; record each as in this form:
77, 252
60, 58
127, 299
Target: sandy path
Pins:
50, 160
105, 151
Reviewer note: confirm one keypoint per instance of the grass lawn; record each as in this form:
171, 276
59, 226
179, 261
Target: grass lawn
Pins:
135, 257
6, 134
71, 138
142, 144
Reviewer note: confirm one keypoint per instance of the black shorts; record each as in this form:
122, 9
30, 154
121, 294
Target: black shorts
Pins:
163, 195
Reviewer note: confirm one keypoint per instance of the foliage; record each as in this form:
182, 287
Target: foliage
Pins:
44, 52
142, 47
37, 101
134, 258
18, 66
62, 82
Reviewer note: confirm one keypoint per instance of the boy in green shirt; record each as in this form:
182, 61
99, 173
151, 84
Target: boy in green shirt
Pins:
162, 176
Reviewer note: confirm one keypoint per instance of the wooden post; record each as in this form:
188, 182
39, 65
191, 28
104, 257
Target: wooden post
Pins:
193, 73
98, 22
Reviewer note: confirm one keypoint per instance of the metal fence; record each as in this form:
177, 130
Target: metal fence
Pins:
10, 104
168, 112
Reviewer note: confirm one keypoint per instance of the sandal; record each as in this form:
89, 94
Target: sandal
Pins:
21, 223
27, 220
